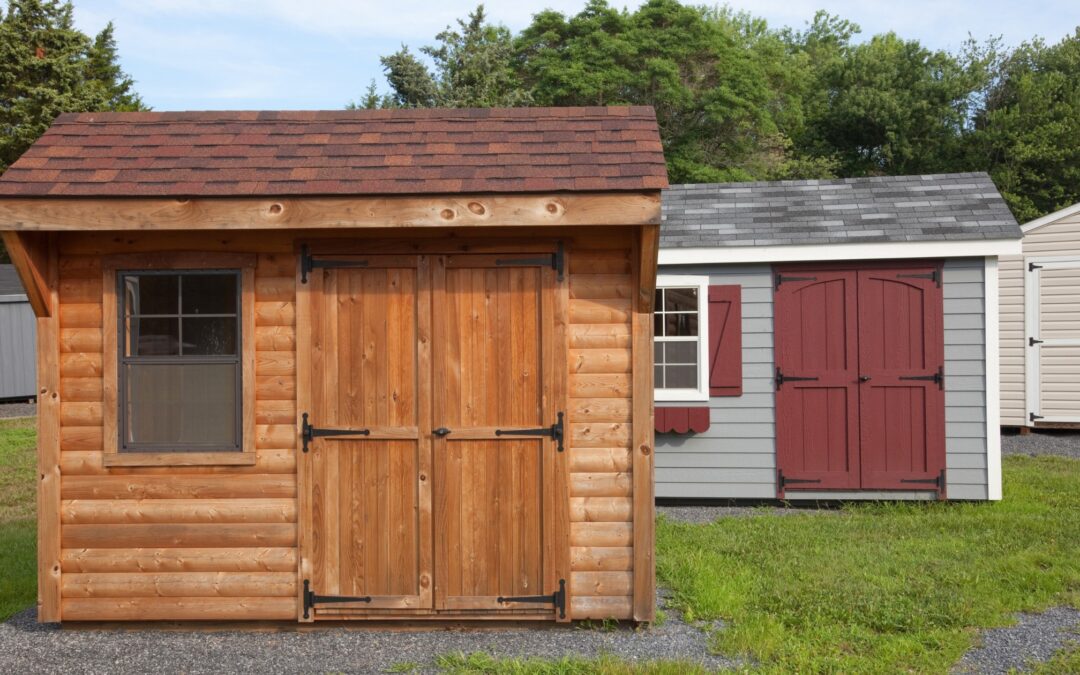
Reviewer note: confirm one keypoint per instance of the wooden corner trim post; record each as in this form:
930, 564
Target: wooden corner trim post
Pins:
646, 249
31, 256
48, 441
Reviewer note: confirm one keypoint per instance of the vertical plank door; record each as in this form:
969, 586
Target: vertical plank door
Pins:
1053, 340
817, 398
368, 454
492, 373
902, 398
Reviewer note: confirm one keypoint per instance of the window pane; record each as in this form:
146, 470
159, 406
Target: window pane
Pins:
680, 299
181, 404
680, 325
680, 352
658, 352
658, 325
209, 293
658, 302
209, 336
151, 293
658, 377
153, 337
681, 377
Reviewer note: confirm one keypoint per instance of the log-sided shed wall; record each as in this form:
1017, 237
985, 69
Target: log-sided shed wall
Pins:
180, 541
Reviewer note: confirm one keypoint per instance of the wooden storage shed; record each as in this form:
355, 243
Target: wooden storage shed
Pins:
1040, 325
16, 339
343, 365
846, 332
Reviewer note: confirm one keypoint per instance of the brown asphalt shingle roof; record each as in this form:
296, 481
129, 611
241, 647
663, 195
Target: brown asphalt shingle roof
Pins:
361, 152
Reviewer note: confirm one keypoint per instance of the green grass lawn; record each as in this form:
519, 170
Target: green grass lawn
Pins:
18, 586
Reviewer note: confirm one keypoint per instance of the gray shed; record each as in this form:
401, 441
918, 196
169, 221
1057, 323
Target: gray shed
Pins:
16, 339
830, 339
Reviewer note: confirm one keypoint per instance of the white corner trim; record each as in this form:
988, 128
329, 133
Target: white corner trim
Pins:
858, 251
991, 303
702, 391
1050, 218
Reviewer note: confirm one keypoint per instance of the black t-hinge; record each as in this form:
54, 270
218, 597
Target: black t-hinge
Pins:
558, 598
309, 433
311, 598
555, 432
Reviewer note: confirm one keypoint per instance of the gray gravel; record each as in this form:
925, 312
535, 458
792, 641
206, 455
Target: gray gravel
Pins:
27, 647
1044, 442
700, 515
17, 410
1034, 638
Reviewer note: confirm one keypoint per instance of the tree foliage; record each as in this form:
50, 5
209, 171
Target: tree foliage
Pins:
738, 100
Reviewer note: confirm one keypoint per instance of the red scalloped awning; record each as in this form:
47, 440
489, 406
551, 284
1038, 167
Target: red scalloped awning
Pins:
682, 420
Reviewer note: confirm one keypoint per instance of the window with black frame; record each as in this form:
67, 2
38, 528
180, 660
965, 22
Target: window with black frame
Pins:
180, 362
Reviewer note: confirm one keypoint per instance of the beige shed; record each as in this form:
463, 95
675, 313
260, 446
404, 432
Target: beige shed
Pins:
1040, 325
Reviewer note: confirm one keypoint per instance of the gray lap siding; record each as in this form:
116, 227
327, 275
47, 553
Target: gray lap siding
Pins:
736, 457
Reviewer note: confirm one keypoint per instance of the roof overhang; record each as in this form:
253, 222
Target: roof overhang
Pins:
855, 251
1050, 218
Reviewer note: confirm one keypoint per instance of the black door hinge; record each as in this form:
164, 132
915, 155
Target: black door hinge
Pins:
558, 598
937, 378
557, 260
781, 378
784, 481
1032, 267
311, 599
1032, 417
309, 433
555, 432
938, 482
1034, 341
780, 278
932, 276
308, 263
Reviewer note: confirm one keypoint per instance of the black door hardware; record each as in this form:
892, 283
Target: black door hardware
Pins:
1032, 417
308, 264
441, 431
864, 378
309, 433
311, 599
1032, 267
780, 278
558, 598
932, 276
781, 378
1034, 341
938, 483
557, 260
785, 481
937, 378
555, 431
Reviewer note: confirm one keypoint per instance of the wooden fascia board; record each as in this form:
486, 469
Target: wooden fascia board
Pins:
227, 213
29, 253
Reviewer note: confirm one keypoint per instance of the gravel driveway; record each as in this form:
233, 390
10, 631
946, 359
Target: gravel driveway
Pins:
1044, 442
8, 410
1034, 638
27, 647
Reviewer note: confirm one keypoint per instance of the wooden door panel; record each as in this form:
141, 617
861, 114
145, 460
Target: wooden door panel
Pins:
817, 418
903, 419
368, 536
491, 330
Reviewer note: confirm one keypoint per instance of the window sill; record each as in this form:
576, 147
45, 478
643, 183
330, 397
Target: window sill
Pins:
179, 459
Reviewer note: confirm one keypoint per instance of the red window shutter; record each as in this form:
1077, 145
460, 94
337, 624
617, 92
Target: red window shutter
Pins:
682, 420
725, 338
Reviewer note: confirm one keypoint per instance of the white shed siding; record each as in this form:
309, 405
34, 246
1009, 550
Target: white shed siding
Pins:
736, 457
17, 344
1058, 238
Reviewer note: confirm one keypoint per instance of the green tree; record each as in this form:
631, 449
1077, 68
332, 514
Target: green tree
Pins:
1027, 135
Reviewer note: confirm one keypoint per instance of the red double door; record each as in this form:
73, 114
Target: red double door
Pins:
860, 399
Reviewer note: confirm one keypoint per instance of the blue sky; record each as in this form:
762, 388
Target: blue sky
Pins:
320, 54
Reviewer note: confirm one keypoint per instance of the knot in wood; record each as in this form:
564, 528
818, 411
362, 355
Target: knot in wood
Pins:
448, 214
477, 208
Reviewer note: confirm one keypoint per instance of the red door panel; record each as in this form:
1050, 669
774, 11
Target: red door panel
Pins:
817, 418
903, 419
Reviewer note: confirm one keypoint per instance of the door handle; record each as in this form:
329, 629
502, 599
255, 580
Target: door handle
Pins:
441, 431
864, 378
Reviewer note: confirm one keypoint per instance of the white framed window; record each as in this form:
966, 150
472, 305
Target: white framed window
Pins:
681, 335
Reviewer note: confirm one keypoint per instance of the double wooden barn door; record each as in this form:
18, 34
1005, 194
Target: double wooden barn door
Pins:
860, 398
431, 433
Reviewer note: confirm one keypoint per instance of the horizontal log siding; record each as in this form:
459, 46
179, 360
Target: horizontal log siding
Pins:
177, 542
736, 457
601, 489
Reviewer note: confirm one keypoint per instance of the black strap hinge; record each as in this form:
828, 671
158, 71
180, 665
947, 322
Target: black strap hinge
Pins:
309, 433
785, 481
1032, 267
555, 432
557, 260
558, 598
781, 378
311, 598
937, 378
780, 278
938, 482
932, 276
308, 263
1034, 341
1032, 417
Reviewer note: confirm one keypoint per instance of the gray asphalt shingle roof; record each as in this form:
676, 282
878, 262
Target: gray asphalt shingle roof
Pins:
942, 207
9, 281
